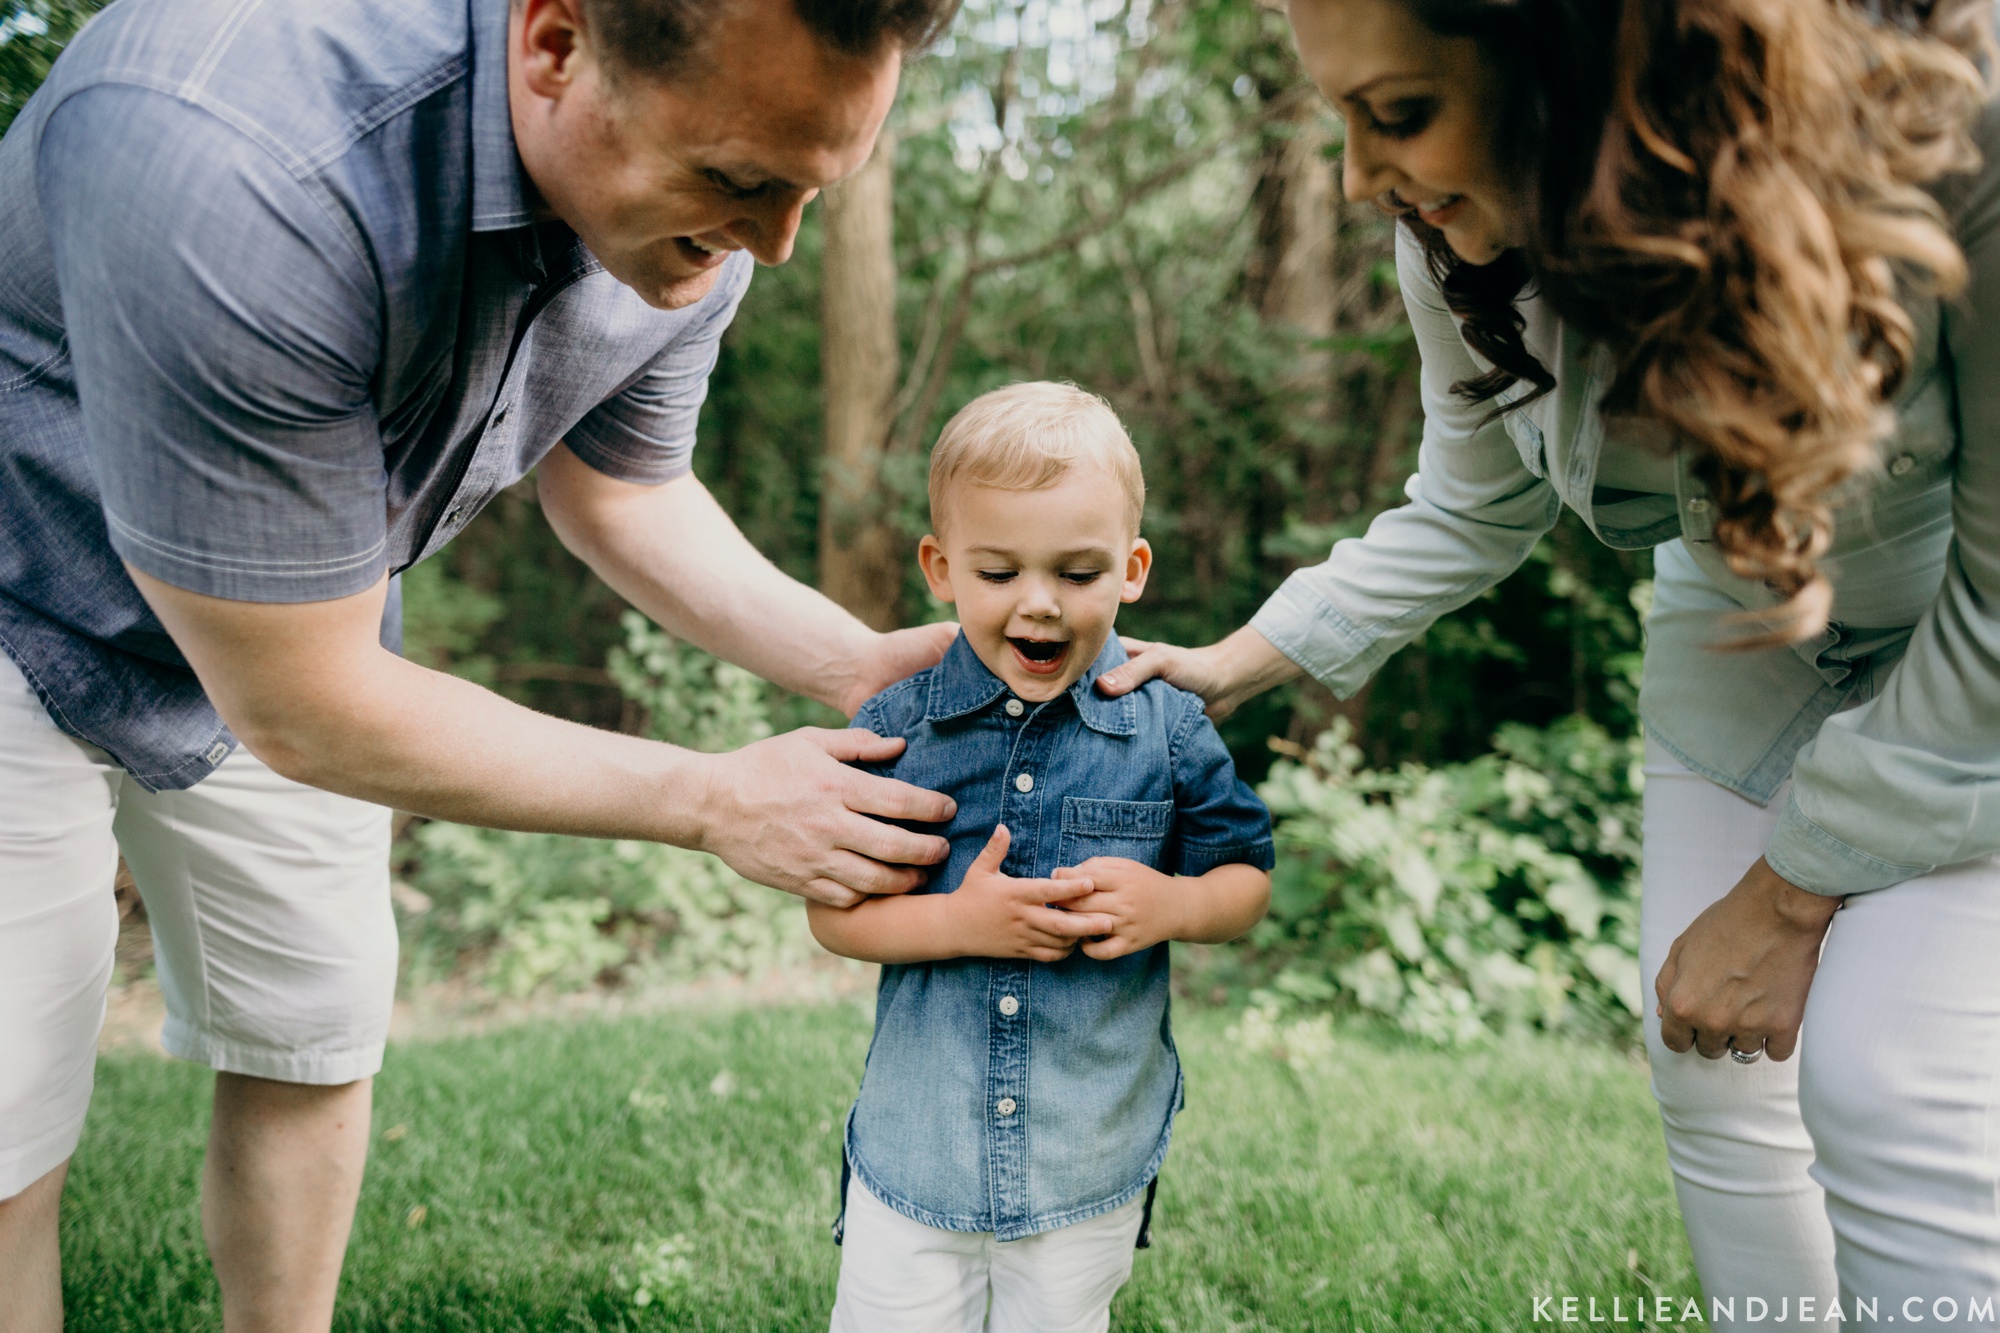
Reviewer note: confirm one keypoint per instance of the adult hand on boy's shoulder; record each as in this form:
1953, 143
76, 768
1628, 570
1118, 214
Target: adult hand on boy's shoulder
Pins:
896, 655
1145, 905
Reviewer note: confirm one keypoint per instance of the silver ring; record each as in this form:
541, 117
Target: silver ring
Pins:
1746, 1057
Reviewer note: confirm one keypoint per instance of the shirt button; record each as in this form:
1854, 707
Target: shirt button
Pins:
1006, 1106
1902, 464
1009, 1005
1015, 708
501, 415
1024, 784
1697, 505
456, 510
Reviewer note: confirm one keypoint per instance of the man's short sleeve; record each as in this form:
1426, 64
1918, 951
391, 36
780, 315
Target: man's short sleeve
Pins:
646, 432
1218, 820
224, 329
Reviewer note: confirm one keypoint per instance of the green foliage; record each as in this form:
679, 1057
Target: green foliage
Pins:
532, 910
1459, 901
529, 910
688, 698
445, 621
32, 34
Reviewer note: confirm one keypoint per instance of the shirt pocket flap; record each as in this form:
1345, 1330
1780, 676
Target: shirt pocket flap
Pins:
1134, 830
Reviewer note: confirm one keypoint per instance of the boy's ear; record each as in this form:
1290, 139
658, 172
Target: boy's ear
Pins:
1137, 566
937, 569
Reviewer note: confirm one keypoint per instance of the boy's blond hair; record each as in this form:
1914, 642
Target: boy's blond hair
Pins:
1028, 436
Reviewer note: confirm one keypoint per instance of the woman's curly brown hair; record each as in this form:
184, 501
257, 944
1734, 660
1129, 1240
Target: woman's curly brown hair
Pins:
1730, 194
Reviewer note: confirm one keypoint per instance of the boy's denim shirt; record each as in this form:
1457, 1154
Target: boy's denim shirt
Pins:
1012, 1096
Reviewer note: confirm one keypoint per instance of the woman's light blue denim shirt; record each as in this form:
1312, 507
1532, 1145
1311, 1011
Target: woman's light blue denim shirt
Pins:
1012, 1096
1889, 722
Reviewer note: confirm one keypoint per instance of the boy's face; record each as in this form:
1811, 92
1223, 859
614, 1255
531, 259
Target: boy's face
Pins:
1037, 576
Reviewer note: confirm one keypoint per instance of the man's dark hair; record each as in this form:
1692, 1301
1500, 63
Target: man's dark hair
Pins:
658, 38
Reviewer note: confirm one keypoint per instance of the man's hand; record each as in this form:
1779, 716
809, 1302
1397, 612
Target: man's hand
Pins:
896, 656
997, 916
789, 813
1739, 975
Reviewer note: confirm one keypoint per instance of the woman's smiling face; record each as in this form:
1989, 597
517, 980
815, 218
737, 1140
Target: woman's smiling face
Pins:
1421, 111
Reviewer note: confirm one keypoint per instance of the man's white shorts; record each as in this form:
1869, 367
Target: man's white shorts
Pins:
900, 1276
273, 936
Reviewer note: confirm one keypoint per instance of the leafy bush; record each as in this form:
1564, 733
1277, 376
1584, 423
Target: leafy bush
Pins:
529, 910
32, 34
1462, 900
688, 697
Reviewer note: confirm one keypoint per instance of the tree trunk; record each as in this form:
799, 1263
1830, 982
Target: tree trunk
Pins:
861, 555
1297, 285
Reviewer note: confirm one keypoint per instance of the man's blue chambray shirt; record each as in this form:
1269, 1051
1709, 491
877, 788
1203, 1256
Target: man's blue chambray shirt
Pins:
1013, 1096
275, 318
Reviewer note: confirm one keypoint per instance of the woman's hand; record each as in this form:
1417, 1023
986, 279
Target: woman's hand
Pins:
1739, 975
1224, 674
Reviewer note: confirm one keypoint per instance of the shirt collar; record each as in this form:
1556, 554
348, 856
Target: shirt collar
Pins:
961, 685
499, 191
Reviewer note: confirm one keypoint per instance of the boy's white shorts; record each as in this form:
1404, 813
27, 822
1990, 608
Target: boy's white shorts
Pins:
900, 1276
273, 936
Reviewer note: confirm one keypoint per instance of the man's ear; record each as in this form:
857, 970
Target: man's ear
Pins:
552, 46
937, 569
1137, 566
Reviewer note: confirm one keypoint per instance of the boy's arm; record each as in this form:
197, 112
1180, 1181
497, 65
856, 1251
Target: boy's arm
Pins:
989, 915
1150, 906
1223, 904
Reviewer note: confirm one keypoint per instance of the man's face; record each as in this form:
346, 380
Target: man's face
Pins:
662, 179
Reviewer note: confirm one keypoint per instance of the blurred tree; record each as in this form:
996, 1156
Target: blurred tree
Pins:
861, 554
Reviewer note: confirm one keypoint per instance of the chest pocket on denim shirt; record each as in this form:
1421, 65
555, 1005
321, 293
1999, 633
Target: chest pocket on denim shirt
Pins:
1135, 830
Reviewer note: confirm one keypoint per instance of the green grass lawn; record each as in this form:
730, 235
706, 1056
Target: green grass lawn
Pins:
516, 1176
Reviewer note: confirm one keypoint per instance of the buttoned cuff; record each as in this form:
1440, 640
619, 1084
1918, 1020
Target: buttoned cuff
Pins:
1807, 855
1325, 644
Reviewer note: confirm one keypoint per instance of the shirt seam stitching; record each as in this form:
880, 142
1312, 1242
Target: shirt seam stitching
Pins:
238, 564
35, 372
306, 182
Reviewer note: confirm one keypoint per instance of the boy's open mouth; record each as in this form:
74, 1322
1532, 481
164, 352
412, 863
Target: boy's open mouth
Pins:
1041, 657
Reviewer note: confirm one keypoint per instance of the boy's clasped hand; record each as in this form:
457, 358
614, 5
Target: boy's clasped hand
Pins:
1110, 906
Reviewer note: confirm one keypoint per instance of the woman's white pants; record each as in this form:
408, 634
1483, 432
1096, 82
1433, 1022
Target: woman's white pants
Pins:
1868, 1165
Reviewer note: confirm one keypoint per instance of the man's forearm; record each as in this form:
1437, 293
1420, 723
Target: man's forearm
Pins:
358, 720
672, 552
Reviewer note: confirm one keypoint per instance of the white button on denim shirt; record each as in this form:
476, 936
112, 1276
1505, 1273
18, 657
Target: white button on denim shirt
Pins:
1888, 722
1012, 1096
276, 324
